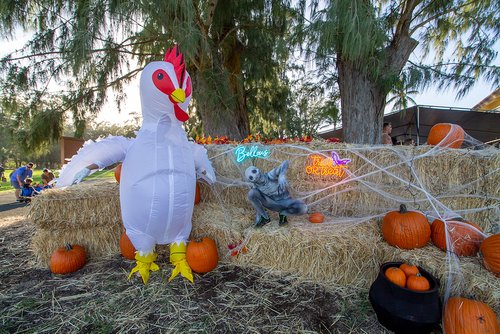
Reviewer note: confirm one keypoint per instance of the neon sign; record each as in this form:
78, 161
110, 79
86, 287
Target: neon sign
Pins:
323, 166
337, 161
255, 151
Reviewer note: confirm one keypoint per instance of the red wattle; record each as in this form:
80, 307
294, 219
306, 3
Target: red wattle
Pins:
180, 114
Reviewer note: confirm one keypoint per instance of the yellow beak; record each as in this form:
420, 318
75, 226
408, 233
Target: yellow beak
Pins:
178, 95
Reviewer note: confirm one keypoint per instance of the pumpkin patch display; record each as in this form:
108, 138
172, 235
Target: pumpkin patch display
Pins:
202, 255
490, 250
465, 237
466, 316
406, 229
396, 276
67, 259
126, 247
417, 283
316, 218
446, 135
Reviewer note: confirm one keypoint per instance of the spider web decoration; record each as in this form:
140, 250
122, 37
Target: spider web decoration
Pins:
441, 182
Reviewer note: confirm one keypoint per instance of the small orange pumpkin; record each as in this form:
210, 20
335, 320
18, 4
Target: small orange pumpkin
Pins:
409, 269
417, 283
446, 135
202, 255
67, 259
126, 247
406, 229
118, 172
316, 218
197, 197
396, 276
467, 316
465, 241
490, 250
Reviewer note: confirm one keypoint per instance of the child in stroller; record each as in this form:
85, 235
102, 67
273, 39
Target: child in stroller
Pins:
27, 191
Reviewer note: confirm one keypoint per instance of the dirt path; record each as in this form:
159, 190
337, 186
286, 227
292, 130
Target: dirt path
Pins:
7, 199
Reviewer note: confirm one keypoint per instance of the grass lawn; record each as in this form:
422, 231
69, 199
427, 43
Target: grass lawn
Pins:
37, 177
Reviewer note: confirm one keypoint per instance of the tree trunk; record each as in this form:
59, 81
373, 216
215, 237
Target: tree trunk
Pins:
226, 114
219, 119
362, 98
362, 105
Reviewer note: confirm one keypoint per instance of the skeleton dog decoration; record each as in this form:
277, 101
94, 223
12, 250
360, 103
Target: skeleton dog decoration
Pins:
270, 190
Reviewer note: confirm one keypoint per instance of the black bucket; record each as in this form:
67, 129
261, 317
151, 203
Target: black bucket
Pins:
402, 310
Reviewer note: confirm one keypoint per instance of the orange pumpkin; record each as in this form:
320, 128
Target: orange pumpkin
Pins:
406, 229
409, 269
197, 197
490, 250
465, 240
417, 283
316, 218
118, 172
67, 259
202, 255
446, 135
466, 316
126, 247
396, 276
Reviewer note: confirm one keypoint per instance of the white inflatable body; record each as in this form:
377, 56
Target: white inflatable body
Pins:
158, 176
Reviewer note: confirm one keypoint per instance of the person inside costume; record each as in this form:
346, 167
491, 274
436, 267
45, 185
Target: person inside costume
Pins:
270, 190
159, 169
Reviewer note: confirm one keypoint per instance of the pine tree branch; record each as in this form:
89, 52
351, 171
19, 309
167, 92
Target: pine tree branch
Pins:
435, 16
105, 86
118, 48
199, 20
211, 12
405, 20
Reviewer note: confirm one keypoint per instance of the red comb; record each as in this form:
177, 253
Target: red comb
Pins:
175, 57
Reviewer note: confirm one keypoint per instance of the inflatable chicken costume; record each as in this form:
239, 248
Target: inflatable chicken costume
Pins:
159, 170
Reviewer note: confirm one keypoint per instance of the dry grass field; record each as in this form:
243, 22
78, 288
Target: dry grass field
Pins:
100, 299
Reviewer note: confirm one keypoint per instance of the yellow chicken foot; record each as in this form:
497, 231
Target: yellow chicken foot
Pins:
144, 265
178, 259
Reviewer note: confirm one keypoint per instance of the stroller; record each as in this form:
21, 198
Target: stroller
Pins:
27, 192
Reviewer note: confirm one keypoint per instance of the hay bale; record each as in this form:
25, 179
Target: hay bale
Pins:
466, 182
89, 204
98, 241
320, 252
337, 252
226, 226
347, 249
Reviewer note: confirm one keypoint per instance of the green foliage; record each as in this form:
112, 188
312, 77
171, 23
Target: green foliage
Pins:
402, 90
370, 44
348, 28
89, 47
104, 129
364, 32
37, 177
239, 55
305, 108
470, 25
